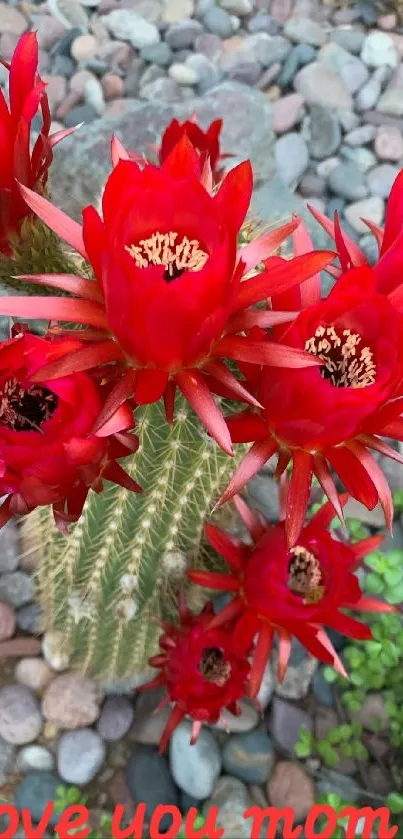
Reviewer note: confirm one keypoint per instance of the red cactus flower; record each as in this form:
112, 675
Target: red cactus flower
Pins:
202, 670
330, 416
388, 268
17, 162
207, 143
171, 287
48, 453
287, 592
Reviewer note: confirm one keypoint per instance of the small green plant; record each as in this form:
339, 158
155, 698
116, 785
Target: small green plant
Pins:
338, 804
199, 822
342, 741
68, 796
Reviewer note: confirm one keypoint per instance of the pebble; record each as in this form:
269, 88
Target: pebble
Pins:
360, 136
247, 73
362, 157
262, 22
237, 7
332, 781
291, 156
196, 768
304, 30
34, 793
149, 781
162, 90
209, 45
380, 179
287, 111
34, 757
80, 755
207, 73
353, 72
268, 76
7, 758
290, 786
373, 712
322, 690
7, 621
11, 20
312, 185
183, 74
369, 245
379, 50
9, 541
299, 675
183, 34
94, 96
49, 31
218, 21
20, 716
116, 718
112, 86
391, 100
31, 619
372, 208
82, 113
16, 588
350, 39
320, 85
286, 720
175, 10
347, 181
231, 798
348, 120
388, 143
324, 132
83, 47
367, 97
71, 701
52, 648
126, 25
249, 757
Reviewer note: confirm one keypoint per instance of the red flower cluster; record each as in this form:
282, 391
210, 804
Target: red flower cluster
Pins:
17, 162
207, 143
48, 451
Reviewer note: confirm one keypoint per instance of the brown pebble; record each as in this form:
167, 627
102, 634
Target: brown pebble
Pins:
8, 43
20, 646
85, 46
11, 20
290, 786
56, 89
79, 81
7, 621
112, 86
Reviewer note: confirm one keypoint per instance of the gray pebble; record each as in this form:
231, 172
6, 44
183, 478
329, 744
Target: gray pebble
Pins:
183, 34
350, 39
20, 715
299, 56
159, 54
324, 131
347, 181
360, 136
323, 691
162, 90
94, 96
7, 756
305, 30
348, 119
34, 757
30, 618
17, 588
207, 72
218, 21
249, 757
246, 73
9, 548
263, 22
370, 247
34, 793
312, 185
380, 179
116, 718
196, 768
149, 781
350, 68
291, 156
63, 65
80, 755
286, 721
363, 157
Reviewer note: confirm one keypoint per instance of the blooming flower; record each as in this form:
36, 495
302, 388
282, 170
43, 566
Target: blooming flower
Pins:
289, 592
170, 294
202, 670
330, 416
207, 143
17, 162
48, 453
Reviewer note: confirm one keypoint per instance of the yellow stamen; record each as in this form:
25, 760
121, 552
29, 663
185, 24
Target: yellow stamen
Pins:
346, 364
176, 255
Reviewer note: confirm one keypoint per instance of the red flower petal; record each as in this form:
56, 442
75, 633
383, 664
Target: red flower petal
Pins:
87, 289
58, 221
234, 195
281, 275
298, 494
263, 247
256, 457
195, 390
326, 481
377, 477
54, 308
225, 546
264, 352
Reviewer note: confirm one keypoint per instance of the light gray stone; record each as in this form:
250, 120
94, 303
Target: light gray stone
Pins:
34, 758
218, 21
9, 548
116, 718
196, 768
249, 757
126, 25
324, 132
321, 85
305, 30
247, 720
80, 755
347, 181
353, 72
20, 716
231, 797
17, 588
348, 38
379, 50
380, 179
372, 208
291, 156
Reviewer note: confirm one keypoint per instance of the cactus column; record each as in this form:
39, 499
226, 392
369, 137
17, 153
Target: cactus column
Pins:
120, 566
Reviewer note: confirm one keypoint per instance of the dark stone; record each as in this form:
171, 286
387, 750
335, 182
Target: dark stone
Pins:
63, 45
82, 113
323, 691
187, 801
34, 793
299, 56
149, 780
249, 756
286, 721
62, 65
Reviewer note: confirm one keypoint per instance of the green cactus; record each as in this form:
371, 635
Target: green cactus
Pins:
121, 566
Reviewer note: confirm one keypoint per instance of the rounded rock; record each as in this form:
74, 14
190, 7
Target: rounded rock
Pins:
289, 786
380, 179
31, 619
17, 588
183, 34
34, 793
388, 143
34, 673
347, 181
94, 96
372, 208
324, 132
218, 21
49, 31
34, 757
305, 30
207, 73
249, 757
349, 39
112, 86
71, 701
126, 25
80, 755
116, 718
379, 50
20, 716
183, 74
196, 768
7, 621
320, 85
149, 781
83, 47
231, 798
54, 652
11, 20
291, 156
159, 54
176, 10
287, 111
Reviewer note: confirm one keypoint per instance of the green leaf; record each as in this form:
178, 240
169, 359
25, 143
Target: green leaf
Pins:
394, 802
374, 584
302, 750
394, 576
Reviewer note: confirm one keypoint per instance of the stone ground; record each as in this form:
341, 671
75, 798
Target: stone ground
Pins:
313, 94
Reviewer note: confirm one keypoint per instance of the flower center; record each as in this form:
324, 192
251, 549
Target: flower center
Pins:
305, 575
214, 667
176, 253
347, 363
25, 409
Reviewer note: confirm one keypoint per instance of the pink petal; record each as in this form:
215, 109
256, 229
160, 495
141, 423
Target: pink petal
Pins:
54, 308
66, 282
59, 222
261, 248
256, 457
264, 352
195, 390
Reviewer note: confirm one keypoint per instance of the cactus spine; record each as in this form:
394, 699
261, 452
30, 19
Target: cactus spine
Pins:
121, 565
